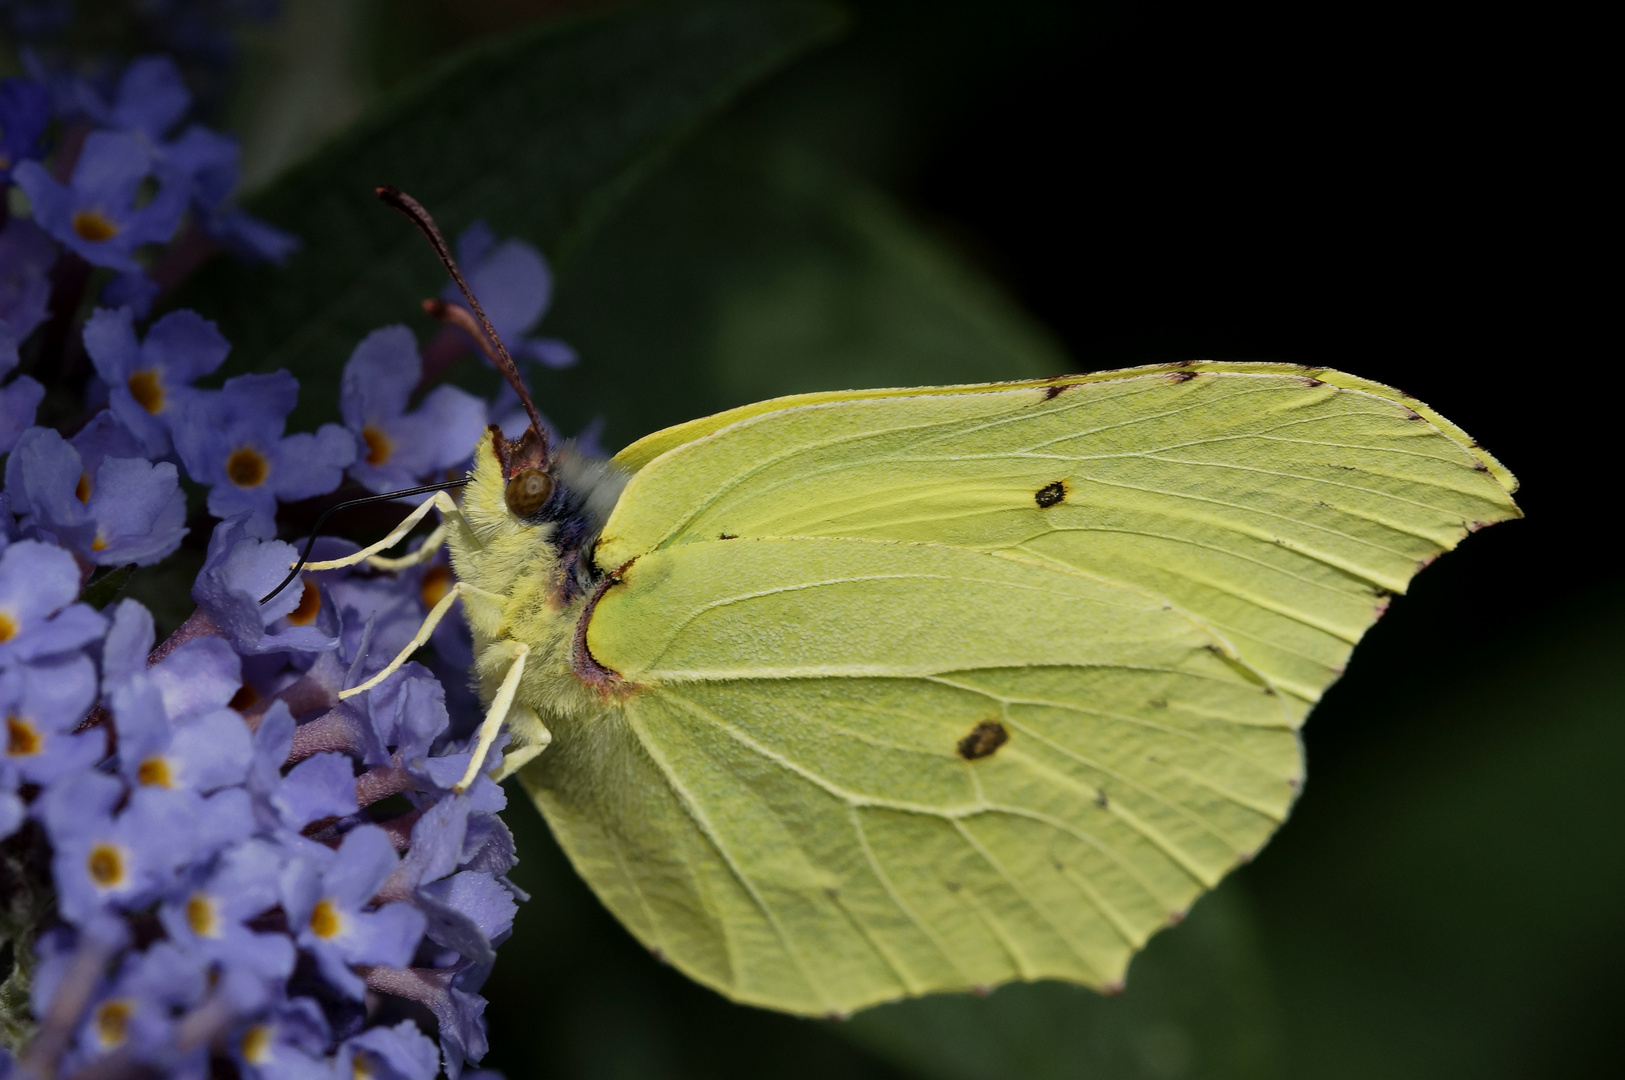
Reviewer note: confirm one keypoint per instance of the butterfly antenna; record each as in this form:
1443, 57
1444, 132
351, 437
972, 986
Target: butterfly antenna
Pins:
316, 530
420, 217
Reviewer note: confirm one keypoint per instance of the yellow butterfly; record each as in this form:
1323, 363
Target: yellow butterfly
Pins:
853, 696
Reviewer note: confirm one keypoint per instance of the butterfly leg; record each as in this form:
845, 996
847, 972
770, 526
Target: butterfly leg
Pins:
531, 735
431, 545
498, 712
440, 500
438, 612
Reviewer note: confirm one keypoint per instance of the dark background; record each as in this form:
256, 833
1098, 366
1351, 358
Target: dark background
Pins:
959, 191
1397, 194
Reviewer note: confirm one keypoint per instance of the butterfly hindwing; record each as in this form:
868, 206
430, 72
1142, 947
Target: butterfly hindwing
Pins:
893, 768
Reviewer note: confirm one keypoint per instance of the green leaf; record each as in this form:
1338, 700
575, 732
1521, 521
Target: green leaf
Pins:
539, 135
106, 588
1198, 1003
752, 269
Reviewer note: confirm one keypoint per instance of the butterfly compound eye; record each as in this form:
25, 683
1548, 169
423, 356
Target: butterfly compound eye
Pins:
527, 491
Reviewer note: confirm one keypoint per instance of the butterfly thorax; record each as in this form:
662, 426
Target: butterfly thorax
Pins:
535, 571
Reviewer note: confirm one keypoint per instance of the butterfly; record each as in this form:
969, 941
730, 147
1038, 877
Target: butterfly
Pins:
845, 697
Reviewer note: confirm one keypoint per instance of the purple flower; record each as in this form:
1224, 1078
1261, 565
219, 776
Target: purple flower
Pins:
328, 908
321, 786
101, 859
401, 1052
238, 570
27, 254
128, 511
515, 288
394, 448
209, 918
150, 99
96, 213
38, 617
291, 1044
469, 912
201, 754
231, 441
43, 704
19, 400
211, 160
25, 109
137, 1013
149, 381
131, 289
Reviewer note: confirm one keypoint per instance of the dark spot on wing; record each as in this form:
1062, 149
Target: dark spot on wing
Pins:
727, 536
1307, 381
1050, 494
1181, 376
983, 740
1055, 390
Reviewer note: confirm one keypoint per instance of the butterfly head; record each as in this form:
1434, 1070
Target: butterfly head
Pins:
526, 465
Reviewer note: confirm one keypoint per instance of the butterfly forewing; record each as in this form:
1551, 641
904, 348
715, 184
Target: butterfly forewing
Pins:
945, 688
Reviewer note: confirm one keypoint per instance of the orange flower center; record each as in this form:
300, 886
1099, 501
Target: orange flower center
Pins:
201, 915
247, 467
326, 920
93, 225
147, 389
106, 865
245, 698
436, 583
256, 1045
113, 1022
310, 605
154, 772
83, 488
8, 627
378, 445
22, 737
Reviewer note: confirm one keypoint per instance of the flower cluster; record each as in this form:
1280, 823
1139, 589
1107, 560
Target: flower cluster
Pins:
236, 873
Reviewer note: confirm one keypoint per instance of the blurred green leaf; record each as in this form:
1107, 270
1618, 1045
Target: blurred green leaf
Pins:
1198, 1003
753, 268
539, 135
1447, 903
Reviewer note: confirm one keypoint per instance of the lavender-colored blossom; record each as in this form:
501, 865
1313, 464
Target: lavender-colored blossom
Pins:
211, 160
238, 570
27, 254
38, 617
290, 1044
96, 213
103, 860
43, 704
208, 918
321, 786
328, 908
149, 380
401, 1052
131, 289
470, 912
19, 400
128, 511
135, 1015
231, 441
396, 449
515, 287
25, 109
151, 98
201, 754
